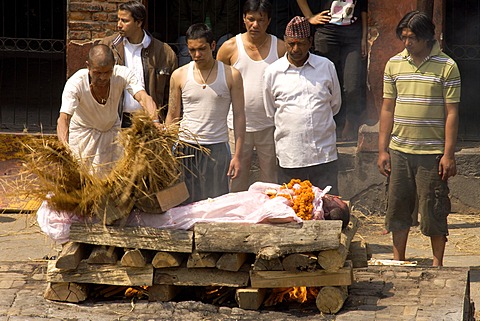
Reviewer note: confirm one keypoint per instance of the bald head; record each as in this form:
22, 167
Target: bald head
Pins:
100, 55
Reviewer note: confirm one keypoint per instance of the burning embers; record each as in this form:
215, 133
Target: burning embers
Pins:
300, 294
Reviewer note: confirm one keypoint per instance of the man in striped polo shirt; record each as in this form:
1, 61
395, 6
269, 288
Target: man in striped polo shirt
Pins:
418, 132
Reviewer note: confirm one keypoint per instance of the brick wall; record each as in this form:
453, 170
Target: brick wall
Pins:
88, 20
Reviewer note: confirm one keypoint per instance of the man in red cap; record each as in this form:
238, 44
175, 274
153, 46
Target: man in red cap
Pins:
302, 94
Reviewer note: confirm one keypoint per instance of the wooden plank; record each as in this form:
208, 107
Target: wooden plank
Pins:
202, 260
102, 274
102, 254
71, 255
172, 196
167, 259
201, 277
231, 261
66, 292
162, 292
286, 279
333, 260
288, 238
330, 299
250, 299
147, 238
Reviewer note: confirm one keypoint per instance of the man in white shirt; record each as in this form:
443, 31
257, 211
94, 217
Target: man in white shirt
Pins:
88, 121
302, 94
151, 60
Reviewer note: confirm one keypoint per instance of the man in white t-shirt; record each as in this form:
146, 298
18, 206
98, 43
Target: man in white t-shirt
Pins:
251, 52
89, 120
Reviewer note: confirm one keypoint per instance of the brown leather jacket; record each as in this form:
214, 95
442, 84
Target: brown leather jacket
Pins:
159, 61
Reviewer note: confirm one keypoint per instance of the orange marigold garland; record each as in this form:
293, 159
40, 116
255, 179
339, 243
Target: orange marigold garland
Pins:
302, 198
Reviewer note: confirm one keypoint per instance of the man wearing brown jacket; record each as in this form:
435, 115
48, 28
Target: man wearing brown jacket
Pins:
152, 60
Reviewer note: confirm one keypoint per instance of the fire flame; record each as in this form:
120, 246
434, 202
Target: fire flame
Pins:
300, 294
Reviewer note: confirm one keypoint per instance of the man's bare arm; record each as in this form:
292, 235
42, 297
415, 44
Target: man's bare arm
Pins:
63, 124
447, 167
175, 99
386, 126
227, 52
238, 107
147, 103
281, 49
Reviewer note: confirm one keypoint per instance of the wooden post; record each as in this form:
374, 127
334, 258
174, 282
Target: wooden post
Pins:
66, 292
231, 261
250, 299
426, 6
300, 262
167, 259
71, 255
358, 254
333, 260
135, 258
102, 254
262, 264
202, 260
330, 299
162, 292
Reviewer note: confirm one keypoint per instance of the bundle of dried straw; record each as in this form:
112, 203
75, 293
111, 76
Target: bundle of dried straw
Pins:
147, 166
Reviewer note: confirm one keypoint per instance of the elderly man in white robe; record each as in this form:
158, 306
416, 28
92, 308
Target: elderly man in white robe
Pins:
89, 121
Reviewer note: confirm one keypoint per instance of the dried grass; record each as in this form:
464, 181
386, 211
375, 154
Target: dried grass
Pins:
147, 166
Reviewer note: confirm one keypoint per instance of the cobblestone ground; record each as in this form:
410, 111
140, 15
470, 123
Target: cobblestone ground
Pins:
379, 293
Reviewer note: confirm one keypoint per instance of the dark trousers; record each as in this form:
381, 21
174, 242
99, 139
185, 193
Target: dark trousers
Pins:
205, 173
342, 45
320, 175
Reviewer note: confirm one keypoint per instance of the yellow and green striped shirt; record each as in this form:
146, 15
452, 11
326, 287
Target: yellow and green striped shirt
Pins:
420, 95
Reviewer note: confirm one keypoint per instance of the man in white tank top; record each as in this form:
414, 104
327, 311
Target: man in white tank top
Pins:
204, 90
251, 52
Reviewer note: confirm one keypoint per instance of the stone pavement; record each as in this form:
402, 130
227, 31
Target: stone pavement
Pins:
379, 293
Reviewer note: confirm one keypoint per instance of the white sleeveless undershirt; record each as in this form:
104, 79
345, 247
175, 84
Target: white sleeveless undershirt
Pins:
252, 74
205, 110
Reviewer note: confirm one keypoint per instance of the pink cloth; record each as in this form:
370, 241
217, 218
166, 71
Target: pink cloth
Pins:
252, 206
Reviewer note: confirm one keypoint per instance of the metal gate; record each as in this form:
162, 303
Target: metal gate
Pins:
462, 43
32, 63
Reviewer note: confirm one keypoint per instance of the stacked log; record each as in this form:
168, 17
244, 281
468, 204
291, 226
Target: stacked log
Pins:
251, 258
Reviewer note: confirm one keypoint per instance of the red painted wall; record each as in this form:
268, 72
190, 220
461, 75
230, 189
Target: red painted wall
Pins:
383, 19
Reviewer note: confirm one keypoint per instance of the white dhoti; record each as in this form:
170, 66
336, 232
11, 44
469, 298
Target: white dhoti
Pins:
97, 150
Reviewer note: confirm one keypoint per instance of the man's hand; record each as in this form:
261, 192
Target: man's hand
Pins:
320, 18
234, 168
447, 167
383, 163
